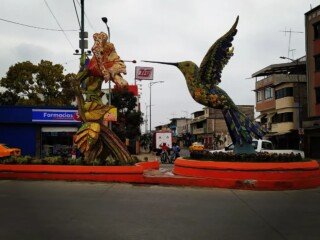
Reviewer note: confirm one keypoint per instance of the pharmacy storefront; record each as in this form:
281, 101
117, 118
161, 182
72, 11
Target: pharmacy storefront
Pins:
39, 131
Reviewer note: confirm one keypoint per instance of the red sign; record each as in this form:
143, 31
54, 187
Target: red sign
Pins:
76, 116
133, 89
144, 73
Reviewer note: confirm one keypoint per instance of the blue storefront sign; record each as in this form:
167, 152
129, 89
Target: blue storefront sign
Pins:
55, 115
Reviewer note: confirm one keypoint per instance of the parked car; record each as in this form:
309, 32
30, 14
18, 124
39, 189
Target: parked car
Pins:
6, 151
261, 145
196, 150
196, 146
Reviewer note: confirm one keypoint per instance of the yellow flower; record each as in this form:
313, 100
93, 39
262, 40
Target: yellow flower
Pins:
213, 98
197, 93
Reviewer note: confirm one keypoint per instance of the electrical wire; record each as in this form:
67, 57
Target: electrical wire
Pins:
75, 8
59, 25
87, 19
41, 28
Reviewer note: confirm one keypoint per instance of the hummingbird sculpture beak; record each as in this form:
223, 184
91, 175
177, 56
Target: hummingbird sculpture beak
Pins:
167, 63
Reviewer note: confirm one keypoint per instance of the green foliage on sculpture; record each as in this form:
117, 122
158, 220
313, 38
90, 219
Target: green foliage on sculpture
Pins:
202, 84
43, 84
94, 139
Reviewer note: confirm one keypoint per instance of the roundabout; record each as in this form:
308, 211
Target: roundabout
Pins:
235, 175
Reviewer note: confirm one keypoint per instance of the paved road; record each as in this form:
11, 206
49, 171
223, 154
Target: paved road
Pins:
82, 210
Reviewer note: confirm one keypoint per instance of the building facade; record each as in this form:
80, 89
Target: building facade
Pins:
180, 126
39, 131
209, 127
281, 102
312, 124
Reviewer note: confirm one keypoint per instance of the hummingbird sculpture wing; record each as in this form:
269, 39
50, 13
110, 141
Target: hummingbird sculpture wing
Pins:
217, 57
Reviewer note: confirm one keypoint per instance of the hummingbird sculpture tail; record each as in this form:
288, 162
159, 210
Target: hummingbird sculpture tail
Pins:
241, 128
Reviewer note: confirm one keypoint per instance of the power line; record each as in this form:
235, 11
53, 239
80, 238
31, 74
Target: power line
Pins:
59, 25
87, 19
30, 26
75, 8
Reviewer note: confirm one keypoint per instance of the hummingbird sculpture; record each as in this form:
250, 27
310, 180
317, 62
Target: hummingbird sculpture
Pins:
203, 86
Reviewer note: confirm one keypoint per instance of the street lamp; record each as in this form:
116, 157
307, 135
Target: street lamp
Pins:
105, 20
150, 85
296, 61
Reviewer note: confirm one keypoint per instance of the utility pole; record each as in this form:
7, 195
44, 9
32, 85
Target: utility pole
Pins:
150, 85
82, 28
83, 42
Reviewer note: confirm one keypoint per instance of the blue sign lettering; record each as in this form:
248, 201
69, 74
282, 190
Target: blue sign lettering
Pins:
54, 115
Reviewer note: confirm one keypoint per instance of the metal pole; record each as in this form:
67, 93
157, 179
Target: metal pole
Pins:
150, 107
299, 109
105, 20
109, 102
146, 120
82, 27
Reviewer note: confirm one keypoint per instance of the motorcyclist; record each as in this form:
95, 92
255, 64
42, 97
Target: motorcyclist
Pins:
175, 150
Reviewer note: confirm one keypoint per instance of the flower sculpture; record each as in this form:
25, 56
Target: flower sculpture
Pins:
94, 139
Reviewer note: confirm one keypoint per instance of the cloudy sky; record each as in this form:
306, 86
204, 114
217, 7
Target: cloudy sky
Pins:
163, 30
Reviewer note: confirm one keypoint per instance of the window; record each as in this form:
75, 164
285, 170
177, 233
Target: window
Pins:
284, 92
230, 147
254, 144
316, 29
317, 63
282, 117
268, 93
263, 120
199, 125
267, 145
259, 96
317, 95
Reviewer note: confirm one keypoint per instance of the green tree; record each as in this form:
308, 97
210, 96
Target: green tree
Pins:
146, 141
8, 98
43, 84
218, 140
129, 119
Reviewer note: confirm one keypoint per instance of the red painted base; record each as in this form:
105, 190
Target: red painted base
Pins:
253, 176
130, 174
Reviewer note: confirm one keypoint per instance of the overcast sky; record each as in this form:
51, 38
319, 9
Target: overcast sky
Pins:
163, 30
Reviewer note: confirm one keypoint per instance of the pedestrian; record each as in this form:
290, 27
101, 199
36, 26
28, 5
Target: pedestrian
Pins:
74, 153
176, 150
